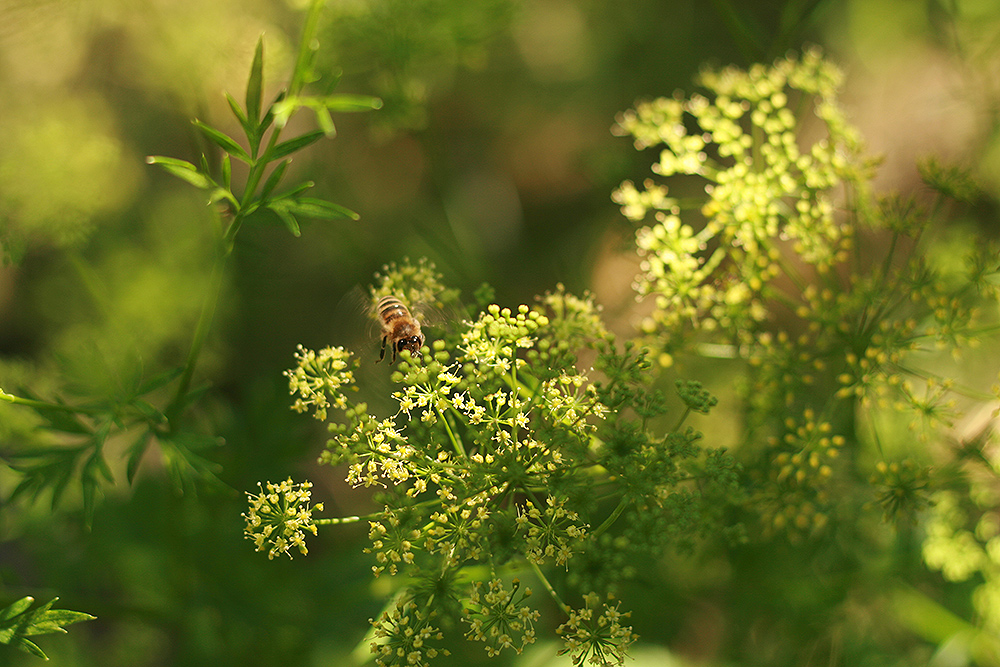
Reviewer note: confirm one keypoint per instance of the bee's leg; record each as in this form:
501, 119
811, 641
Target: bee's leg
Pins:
381, 354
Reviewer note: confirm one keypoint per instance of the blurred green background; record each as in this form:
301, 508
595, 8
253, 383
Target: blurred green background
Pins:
492, 156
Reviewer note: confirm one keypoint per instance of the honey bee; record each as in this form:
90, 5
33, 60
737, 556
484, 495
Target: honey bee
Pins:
399, 327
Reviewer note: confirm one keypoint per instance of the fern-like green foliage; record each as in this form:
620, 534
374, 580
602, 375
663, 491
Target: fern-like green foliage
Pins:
19, 620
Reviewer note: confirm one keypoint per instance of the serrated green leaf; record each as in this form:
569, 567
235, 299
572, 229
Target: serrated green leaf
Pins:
223, 141
273, 179
255, 84
349, 103
298, 143
183, 170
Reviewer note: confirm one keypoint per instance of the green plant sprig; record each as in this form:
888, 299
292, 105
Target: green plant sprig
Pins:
140, 406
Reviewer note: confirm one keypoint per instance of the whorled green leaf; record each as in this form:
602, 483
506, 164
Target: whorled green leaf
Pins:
223, 141
183, 170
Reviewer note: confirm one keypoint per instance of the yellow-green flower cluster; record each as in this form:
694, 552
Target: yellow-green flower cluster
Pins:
403, 636
392, 544
491, 342
794, 497
320, 379
550, 532
498, 617
417, 284
767, 193
279, 517
595, 633
902, 488
576, 321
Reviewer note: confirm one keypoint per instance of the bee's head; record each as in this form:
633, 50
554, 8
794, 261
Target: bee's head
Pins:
411, 343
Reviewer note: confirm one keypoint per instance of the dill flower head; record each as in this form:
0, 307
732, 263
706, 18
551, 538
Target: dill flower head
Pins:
767, 191
279, 517
498, 617
320, 379
595, 633
403, 636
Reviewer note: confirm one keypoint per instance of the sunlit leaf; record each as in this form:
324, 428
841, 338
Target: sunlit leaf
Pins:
223, 141
183, 170
298, 143
319, 208
255, 84
348, 103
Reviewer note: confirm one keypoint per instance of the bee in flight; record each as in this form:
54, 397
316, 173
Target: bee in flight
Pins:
399, 327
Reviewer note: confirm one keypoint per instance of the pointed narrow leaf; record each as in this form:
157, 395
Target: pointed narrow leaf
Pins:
294, 192
99, 464
31, 647
227, 171
223, 141
159, 380
320, 208
57, 415
136, 451
181, 169
346, 103
292, 145
53, 620
268, 118
273, 179
255, 83
280, 209
234, 106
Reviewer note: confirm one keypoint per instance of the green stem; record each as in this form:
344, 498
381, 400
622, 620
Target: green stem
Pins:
611, 519
343, 519
456, 442
200, 332
45, 405
548, 587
